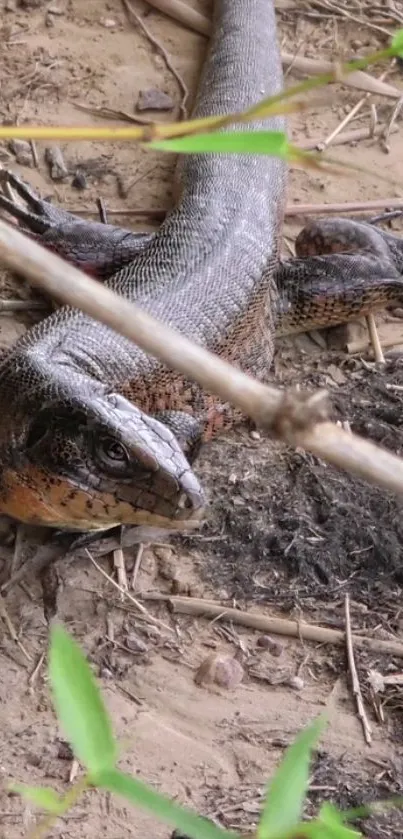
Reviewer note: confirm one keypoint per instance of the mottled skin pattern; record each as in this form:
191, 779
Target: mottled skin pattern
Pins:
75, 397
359, 270
93, 432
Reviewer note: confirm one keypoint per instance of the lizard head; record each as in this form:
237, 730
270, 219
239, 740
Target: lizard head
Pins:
96, 461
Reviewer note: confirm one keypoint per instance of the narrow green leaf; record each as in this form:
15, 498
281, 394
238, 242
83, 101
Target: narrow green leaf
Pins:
273, 143
332, 819
366, 810
397, 43
141, 795
79, 704
286, 792
44, 797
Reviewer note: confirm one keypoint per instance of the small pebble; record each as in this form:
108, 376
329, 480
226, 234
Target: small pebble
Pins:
221, 670
105, 673
268, 643
179, 586
57, 168
64, 751
108, 23
167, 567
136, 644
154, 99
255, 435
296, 682
22, 151
79, 181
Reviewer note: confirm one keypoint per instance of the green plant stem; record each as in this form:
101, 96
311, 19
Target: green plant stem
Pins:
68, 801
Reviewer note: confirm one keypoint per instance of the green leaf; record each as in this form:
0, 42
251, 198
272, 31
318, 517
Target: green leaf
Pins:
332, 819
79, 704
397, 43
286, 793
273, 143
141, 795
44, 797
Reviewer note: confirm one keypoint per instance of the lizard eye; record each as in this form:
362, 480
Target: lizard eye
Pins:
112, 452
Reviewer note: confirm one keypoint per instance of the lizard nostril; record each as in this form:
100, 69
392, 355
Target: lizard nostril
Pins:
191, 502
185, 502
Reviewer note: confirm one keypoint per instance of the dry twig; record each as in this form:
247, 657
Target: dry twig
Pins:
201, 24
299, 419
353, 136
110, 113
293, 210
278, 626
343, 207
136, 569
331, 139
119, 565
374, 338
184, 14
157, 44
354, 676
139, 606
10, 626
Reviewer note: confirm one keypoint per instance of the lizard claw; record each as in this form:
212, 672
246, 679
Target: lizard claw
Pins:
99, 249
38, 216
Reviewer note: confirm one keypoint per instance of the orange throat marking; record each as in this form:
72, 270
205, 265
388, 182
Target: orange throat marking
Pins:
36, 497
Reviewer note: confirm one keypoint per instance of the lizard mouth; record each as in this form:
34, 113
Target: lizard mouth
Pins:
36, 497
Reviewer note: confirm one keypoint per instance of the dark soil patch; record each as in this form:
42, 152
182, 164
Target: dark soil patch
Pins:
288, 528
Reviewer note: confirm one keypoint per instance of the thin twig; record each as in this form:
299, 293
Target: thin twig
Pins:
101, 207
34, 153
374, 338
140, 608
110, 113
357, 79
184, 14
158, 213
331, 139
35, 673
354, 676
339, 10
157, 44
22, 305
293, 210
277, 626
74, 770
139, 556
298, 418
362, 345
10, 626
201, 24
395, 114
343, 207
119, 565
367, 133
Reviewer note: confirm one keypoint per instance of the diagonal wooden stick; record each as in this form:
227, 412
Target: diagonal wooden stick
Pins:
278, 626
298, 419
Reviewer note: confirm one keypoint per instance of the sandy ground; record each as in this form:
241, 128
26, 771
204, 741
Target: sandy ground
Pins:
287, 535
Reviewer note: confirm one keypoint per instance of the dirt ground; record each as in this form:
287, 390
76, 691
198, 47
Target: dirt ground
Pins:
287, 535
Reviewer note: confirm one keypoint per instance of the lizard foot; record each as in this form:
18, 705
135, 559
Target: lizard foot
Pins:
98, 249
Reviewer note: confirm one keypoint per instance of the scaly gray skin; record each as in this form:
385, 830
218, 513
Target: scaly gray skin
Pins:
76, 448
